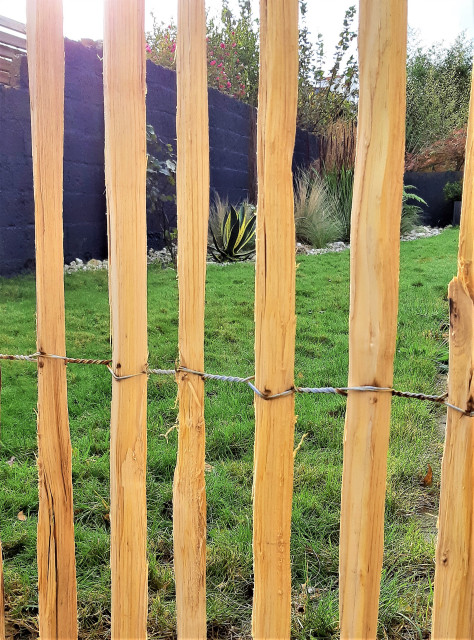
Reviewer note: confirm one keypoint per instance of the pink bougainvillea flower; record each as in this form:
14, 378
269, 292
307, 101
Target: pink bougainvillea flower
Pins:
234, 44
228, 85
221, 64
148, 48
212, 63
222, 45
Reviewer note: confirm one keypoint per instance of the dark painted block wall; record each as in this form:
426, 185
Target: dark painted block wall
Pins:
232, 157
429, 185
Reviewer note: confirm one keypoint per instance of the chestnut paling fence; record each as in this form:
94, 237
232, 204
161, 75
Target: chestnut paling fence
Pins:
373, 311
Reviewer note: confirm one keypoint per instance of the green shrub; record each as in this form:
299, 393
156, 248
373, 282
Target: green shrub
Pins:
453, 191
410, 212
340, 185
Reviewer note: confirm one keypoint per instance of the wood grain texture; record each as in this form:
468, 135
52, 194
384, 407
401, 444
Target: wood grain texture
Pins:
375, 238
453, 615
2, 598
192, 179
275, 319
125, 173
56, 560
452, 606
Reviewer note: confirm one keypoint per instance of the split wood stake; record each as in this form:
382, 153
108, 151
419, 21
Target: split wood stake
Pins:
125, 174
275, 319
375, 242
56, 560
2, 598
192, 179
453, 615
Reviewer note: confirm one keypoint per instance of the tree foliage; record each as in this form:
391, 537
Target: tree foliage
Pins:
326, 99
438, 89
233, 63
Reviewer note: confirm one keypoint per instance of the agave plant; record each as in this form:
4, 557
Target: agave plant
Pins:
237, 235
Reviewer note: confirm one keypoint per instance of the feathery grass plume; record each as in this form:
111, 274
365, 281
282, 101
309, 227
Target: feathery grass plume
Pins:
316, 219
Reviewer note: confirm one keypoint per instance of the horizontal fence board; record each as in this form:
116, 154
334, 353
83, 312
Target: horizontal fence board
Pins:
275, 320
5, 65
5, 77
56, 549
12, 40
8, 52
13, 25
192, 180
125, 174
375, 243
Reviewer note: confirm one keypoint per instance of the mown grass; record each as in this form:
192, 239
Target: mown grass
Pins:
321, 359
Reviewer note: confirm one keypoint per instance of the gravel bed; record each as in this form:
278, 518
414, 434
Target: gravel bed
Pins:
162, 256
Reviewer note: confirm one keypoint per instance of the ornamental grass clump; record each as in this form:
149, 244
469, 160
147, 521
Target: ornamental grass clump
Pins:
316, 219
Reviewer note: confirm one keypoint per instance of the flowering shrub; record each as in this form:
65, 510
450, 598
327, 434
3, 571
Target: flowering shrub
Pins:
233, 64
232, 52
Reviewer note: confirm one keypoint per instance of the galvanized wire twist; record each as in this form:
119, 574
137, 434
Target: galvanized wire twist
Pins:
342, 391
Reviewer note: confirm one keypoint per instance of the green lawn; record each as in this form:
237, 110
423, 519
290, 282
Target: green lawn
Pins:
321, 359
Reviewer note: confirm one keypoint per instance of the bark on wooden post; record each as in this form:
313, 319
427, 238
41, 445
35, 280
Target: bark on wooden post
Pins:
453, 615
375, 236
275, 318
125, 173
192, 175
56, 560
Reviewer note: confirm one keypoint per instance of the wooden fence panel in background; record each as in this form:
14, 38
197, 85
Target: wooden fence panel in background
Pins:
192, 179
125, 172
453, 615
56, 560
275, 318
375, 242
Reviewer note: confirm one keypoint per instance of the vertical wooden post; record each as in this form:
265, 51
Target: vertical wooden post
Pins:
56, 561
453, 615
375, 238
192, 175
125, 174
2, 598
275, 319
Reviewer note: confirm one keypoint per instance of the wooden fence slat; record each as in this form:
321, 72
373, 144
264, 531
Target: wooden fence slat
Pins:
14, 25
125, 172
275, 319
5, 65
375, 237
56, 559
8, 52
192, 175
453, 615
2, 598
13, 41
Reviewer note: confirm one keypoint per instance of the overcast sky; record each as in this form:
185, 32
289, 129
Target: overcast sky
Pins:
435, 20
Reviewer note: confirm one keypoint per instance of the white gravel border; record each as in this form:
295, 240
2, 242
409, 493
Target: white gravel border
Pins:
162, 255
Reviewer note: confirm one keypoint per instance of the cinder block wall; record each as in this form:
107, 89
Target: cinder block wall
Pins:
232, 157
